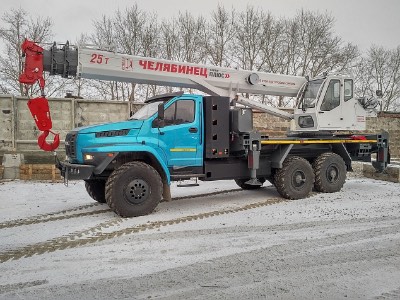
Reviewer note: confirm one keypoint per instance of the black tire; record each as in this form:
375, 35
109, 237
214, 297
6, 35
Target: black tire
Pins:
330, 172
96, 189
295, 179
241, 183
134, 189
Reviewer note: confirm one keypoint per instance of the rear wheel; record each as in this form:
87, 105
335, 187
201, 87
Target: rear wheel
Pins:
330, 173
134, 189
96, 189
295, 179
242, 183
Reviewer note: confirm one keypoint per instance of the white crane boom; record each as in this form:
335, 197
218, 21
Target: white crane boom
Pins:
96, 64
325, 103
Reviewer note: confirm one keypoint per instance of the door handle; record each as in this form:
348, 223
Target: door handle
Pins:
193, 130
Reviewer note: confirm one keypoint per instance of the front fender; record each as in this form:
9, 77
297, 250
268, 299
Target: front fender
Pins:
129, 148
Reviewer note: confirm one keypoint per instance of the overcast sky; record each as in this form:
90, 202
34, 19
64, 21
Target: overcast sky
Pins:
362, 22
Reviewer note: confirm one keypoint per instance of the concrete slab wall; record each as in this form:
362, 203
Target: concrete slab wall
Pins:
18, 131
6, 122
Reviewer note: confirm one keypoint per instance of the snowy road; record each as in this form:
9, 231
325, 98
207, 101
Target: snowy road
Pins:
225, 243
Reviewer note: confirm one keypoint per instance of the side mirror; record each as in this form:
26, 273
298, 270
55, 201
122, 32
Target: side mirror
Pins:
159, 121
161, 111
379, 93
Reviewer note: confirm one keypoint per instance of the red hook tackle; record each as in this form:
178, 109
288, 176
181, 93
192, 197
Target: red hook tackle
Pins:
40, 111
44, 145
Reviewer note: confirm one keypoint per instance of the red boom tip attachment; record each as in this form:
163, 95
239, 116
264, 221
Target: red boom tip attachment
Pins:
33, 67
39, 107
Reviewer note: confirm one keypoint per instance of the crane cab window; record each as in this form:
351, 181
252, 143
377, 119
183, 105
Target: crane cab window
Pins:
348, 89
180, 112
332, 96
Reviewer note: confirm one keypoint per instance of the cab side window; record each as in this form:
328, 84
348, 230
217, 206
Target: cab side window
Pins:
332, 96
348, 89
180, 112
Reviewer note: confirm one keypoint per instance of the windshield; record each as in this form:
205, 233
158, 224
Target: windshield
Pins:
310, 93
146, 111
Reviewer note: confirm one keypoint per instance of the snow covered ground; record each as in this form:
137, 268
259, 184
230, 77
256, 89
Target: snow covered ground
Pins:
224, 243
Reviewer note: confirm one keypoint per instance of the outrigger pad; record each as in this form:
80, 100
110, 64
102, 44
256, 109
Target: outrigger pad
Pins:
40, 111
254, 182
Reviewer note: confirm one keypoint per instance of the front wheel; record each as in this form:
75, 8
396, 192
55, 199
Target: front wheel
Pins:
295, 179
96, 189
134, 189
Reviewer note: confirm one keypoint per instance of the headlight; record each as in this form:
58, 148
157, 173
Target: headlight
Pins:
88, 157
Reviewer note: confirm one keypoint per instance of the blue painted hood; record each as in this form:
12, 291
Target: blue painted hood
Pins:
132, 124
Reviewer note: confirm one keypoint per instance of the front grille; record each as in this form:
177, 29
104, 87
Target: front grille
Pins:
70, 143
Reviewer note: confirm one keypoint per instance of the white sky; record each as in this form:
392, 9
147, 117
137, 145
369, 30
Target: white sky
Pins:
362, 22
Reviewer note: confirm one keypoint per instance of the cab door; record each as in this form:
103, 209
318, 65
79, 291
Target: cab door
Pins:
353, 114
180, 138
329, 110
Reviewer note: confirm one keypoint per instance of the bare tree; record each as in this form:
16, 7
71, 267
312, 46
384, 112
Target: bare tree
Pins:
315, 48
132, 31
127, 29
170, 40
220, 31
103, 35
274, 49
304, 45
363, 78
380, 70
18, 25
191, 32
150, 41
249, 39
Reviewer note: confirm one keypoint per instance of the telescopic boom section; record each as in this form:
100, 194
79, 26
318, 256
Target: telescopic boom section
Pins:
96, 64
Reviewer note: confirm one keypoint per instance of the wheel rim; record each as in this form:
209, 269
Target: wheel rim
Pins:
137, 191
332, 174
298, 179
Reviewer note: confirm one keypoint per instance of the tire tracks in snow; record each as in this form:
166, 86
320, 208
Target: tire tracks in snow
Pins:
54, 216
79, 212
95, 234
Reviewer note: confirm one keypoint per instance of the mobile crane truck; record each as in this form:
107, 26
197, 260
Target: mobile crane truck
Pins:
130, 164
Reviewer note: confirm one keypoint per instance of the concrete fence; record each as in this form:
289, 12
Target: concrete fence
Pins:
18, 131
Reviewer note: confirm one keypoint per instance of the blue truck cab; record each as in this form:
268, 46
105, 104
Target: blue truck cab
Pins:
130, 164
145, 145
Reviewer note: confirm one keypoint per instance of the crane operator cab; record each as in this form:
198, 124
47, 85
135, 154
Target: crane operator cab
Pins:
328, 103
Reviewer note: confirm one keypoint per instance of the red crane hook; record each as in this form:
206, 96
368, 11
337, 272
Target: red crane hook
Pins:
44, 145
40, 111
